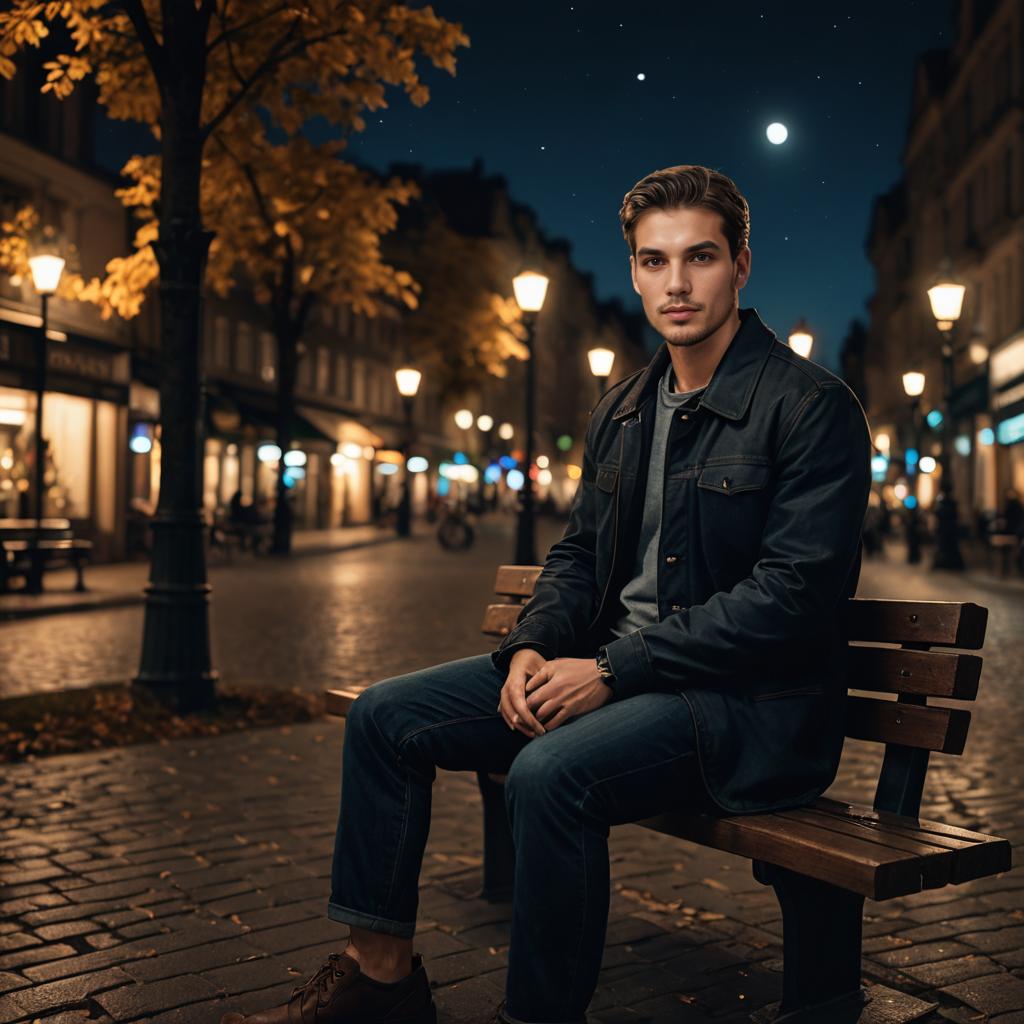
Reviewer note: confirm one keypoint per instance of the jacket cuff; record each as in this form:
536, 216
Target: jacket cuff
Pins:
630, 664
503, 655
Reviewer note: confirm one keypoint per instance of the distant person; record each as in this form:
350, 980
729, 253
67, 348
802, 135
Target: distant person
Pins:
683, 647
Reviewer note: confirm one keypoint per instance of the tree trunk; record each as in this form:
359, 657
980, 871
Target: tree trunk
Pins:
175, 662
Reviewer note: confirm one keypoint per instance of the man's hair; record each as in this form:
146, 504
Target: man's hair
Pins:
688, 185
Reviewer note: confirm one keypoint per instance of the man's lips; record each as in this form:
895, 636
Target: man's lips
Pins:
679, 313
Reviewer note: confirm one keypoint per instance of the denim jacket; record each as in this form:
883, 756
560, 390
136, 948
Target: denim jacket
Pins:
765, 489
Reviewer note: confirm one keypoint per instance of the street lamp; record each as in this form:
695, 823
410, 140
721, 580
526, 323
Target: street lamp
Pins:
530, 289
408, 381
913, 385
601, 362
46, 267
947, 297
801, 340
464, 419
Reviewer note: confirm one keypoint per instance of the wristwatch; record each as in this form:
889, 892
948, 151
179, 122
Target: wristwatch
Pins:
607, 675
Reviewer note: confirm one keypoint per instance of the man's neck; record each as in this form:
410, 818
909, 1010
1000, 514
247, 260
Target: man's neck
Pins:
693, 366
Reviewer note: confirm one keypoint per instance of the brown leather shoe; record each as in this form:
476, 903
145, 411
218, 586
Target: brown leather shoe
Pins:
340, 994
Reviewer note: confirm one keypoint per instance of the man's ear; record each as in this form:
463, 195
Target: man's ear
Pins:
632, 273
743, 259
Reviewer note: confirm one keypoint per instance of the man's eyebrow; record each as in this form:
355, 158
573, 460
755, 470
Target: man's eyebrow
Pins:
706, 244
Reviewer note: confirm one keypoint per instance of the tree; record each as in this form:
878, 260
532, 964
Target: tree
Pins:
464, 327
186, 69
292, 222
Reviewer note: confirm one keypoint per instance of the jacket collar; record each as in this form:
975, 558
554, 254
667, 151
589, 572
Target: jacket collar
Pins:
732, 385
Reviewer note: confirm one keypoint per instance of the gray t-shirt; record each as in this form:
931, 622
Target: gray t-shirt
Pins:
640, 594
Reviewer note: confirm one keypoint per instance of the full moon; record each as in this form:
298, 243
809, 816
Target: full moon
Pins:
777, 133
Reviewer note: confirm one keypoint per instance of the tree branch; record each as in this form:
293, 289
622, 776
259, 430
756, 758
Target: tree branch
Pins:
150, 47
226, 33
272, 60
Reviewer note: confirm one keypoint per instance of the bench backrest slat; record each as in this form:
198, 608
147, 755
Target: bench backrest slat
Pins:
924, 623
888, 721
926, 673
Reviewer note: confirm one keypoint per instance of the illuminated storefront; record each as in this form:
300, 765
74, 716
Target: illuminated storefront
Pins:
84, 425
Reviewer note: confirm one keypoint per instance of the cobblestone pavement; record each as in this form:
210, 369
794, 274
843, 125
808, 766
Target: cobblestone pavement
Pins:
168, 883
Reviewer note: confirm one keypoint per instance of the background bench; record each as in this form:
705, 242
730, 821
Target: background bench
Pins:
57, 548
824, 858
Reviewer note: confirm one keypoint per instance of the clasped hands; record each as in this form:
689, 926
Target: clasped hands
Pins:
539, 695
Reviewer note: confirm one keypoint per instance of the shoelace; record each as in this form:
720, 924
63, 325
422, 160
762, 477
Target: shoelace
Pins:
325, 976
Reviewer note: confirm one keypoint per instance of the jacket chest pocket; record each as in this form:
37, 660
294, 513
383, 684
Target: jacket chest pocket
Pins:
732, 499
734, 478
607, 476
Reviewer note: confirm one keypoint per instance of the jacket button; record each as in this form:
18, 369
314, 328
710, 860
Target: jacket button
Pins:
677, 608
725, 484
672, 559
684, 416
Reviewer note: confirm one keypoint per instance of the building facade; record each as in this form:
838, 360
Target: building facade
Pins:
959, 210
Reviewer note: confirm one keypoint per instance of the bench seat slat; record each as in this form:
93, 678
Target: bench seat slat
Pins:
936, 861
976, 855
338, 701
846, 861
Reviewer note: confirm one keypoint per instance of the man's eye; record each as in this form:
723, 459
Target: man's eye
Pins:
704, 255
650, 260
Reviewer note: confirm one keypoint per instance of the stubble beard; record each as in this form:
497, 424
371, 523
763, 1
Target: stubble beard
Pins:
702, 333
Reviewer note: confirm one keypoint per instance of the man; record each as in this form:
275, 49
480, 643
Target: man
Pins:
682, 647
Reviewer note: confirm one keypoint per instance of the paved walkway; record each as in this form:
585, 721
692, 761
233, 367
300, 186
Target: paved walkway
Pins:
121, 584
169, 883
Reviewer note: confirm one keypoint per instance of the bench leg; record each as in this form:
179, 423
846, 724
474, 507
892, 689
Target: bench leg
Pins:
499, 850
821, 938
79, 578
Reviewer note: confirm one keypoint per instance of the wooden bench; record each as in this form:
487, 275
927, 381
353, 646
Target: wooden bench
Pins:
823, 859
25, 549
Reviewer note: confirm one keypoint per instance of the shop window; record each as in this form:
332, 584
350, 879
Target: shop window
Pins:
341, 377
268, 357
67, 426
323, 370
304, 373
244, 348
359, 382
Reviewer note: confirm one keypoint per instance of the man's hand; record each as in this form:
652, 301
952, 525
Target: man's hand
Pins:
513, 707
564, 688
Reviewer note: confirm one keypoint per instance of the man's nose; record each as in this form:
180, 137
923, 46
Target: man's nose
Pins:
678, 282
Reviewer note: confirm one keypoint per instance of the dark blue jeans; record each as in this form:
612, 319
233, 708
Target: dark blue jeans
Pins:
624, 761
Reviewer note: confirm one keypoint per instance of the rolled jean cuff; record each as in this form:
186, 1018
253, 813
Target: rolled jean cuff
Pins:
336, 912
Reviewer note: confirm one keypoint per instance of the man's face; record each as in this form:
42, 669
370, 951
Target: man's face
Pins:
682, 260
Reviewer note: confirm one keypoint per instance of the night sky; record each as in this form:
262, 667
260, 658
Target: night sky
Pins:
548, 95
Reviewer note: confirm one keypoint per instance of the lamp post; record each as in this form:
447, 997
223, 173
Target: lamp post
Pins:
913, 385
601, 362
46, 268
408, 381
946, 297
801, 341
530, 290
